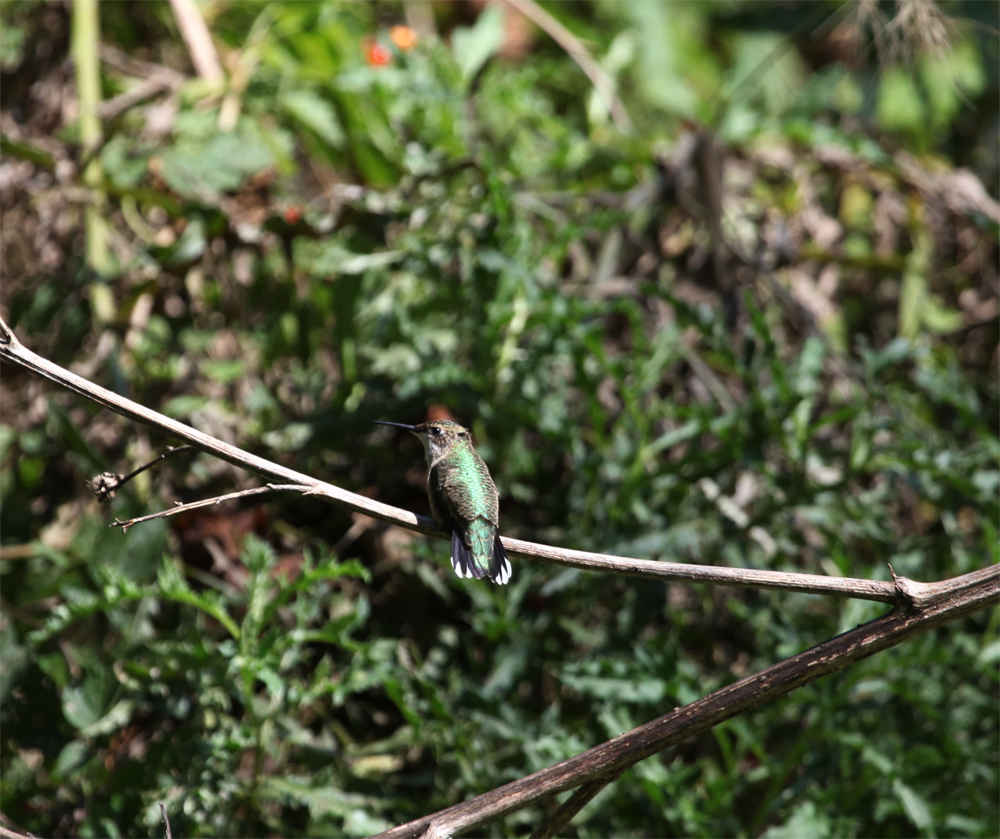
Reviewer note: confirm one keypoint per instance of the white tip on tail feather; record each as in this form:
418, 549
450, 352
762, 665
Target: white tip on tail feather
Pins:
503, 573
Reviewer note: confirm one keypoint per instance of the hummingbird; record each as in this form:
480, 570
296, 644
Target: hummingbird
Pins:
463, 499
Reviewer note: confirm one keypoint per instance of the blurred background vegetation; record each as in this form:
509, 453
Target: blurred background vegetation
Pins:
756, 324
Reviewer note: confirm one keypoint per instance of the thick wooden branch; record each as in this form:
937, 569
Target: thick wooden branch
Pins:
901, 591
608, 759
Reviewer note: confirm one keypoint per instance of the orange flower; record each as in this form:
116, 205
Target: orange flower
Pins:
403, 37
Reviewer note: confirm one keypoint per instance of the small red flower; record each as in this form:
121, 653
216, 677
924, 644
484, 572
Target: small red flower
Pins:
376, 54
293, 214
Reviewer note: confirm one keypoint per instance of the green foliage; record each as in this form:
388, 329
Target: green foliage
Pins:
198, 691
464, 232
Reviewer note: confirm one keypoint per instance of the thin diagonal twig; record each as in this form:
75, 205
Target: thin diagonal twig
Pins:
584, 794
899, 591
206, 502
107, 484
578, 52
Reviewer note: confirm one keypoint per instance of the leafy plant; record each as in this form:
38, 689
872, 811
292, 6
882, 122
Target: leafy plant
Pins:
805, 382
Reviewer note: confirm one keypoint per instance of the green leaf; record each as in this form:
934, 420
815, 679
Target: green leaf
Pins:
916, 808
25, 151
289, 438
663, 34
13, 656
639, 689
222, 164
73, 755
190, 245
475, 46
327, 259
805, 820
115, 719
913, 293
951, 79
224, 370
316, 114
810, 367
767, 69
323, 800
55, 667
83, 704
174, 587
938, 318
899, 107
12, 47
181, 407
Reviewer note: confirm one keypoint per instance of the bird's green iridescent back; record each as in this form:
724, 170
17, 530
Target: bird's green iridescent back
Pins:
464, 498
465, 485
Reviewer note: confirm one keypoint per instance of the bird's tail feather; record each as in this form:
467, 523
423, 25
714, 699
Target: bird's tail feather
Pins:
462, 559
466, 564
500, 569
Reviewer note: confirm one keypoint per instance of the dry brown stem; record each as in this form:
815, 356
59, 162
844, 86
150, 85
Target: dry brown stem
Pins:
900, 591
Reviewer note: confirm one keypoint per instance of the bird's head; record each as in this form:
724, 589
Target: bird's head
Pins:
438, 436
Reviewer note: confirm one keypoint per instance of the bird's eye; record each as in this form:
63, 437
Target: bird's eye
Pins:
436, 432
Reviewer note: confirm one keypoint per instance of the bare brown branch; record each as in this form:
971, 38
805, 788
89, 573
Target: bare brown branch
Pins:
682, 723
901, 591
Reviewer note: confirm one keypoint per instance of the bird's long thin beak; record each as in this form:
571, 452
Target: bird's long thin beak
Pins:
397, 424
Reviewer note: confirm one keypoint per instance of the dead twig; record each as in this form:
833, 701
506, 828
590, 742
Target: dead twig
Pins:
560, 819
207, 502
105, 485
121, 103
166, 822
